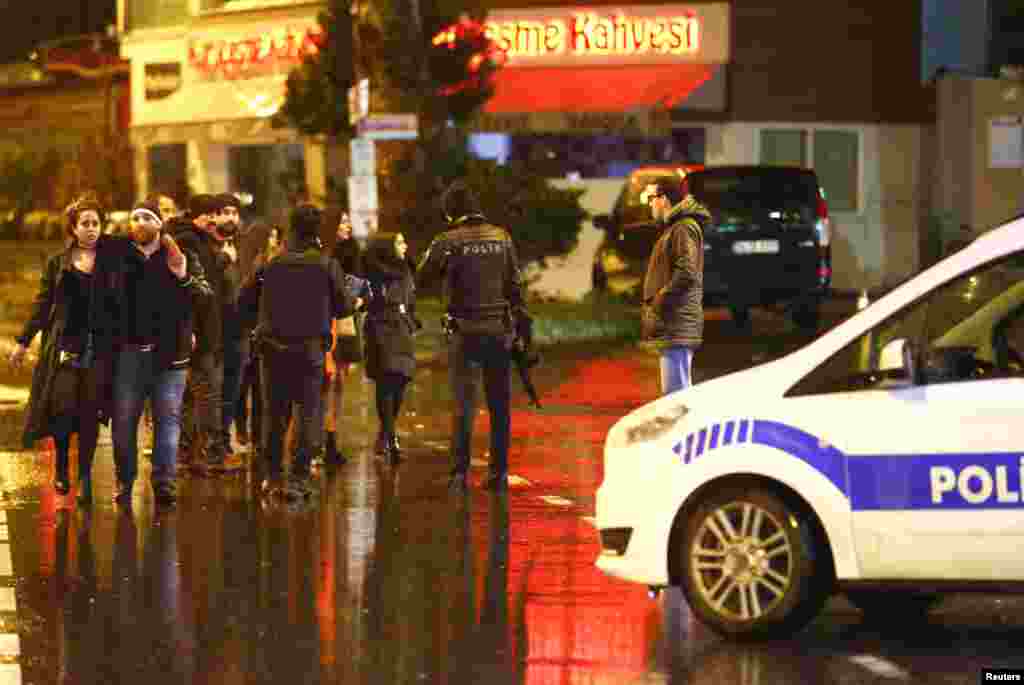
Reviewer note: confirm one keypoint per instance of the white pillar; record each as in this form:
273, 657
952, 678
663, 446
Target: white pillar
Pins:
208, 167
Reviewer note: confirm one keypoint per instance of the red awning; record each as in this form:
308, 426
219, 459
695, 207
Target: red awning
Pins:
595, 89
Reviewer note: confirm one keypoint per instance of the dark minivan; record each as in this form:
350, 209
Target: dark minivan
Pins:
768, 242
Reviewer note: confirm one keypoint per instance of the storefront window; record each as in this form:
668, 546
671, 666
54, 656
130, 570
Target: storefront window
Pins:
836, 161
557, 155
146, 14
784, 147
836, 157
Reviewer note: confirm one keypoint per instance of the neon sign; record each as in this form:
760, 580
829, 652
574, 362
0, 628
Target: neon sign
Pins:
270, 52
590, 33
633, 34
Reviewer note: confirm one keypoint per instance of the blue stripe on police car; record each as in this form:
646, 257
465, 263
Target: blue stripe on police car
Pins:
880, 482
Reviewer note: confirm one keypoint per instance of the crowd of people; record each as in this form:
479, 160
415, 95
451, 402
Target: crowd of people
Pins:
191, 320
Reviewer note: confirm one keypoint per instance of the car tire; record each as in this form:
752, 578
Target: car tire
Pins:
765, 575
740, 315
892, 605
807, 315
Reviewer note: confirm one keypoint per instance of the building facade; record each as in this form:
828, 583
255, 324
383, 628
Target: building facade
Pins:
211, 74
589, 91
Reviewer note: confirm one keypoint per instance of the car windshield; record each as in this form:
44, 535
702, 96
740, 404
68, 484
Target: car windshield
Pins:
744, 195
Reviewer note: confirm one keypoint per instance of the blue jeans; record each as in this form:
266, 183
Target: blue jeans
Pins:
135, 380
676, 364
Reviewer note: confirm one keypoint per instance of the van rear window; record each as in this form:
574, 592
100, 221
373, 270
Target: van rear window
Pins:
748, 193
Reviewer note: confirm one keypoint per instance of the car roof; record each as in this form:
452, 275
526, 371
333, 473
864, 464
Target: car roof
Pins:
754, 167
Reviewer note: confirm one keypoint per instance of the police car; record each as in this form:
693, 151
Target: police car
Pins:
884, 460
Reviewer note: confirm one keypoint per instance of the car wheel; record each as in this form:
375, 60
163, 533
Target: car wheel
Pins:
740, 315
753, 566
807, 315
892, 605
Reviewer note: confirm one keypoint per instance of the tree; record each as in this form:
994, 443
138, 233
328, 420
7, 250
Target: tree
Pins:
316, 95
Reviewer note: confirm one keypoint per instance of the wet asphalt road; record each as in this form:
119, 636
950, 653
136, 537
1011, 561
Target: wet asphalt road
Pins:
384, 577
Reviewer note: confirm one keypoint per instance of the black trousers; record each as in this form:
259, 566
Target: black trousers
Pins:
292, 376
250, 387
390, 393
489, 355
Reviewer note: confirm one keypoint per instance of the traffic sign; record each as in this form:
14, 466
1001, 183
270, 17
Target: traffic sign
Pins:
389, 127
362, 194
364, 157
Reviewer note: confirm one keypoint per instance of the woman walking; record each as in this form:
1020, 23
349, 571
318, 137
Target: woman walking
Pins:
389, 328
71, 383
346, 348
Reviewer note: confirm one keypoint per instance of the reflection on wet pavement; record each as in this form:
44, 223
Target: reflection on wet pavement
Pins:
386, 577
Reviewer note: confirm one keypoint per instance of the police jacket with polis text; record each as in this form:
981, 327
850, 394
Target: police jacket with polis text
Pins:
479, 267
297, 294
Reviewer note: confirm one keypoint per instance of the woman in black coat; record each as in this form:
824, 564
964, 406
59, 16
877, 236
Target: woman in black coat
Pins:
347, 349
74, 310
389, 329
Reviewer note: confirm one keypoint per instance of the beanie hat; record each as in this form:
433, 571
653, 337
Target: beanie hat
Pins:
306, 221
228, 200
150, 209
203, 204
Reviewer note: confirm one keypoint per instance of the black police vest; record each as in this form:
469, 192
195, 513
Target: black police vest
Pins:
296, 299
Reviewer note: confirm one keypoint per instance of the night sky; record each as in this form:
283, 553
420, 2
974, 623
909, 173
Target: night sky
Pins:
29, 22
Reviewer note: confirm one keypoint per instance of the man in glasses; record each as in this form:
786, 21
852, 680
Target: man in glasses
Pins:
672, 316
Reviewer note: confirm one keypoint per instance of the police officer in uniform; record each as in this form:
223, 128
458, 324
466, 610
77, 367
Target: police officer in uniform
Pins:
477, 263
297, 295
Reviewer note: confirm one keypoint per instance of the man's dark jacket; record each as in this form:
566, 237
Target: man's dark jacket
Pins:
115, 257
478, 264
673, 311
210, 315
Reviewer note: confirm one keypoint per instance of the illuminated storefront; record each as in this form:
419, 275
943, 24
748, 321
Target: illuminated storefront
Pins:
210, 81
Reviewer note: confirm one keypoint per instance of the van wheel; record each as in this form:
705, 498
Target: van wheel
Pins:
740, 315
807, 315
753, 566
892, 605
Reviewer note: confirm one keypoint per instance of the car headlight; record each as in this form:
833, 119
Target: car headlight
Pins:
647, 426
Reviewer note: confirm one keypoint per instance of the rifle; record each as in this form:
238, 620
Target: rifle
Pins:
525, 357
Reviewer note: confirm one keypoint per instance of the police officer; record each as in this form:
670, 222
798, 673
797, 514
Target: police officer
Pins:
480, 271
297, 295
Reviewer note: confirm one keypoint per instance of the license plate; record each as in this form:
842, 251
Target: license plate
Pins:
755, 247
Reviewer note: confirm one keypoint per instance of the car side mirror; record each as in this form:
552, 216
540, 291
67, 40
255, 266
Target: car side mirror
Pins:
603, 221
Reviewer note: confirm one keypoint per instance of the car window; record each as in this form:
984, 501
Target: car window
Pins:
964, 330
743, 195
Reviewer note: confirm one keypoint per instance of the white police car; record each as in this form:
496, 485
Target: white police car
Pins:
884, 460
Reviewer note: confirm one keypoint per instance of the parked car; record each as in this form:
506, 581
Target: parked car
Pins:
768, 242
883, 460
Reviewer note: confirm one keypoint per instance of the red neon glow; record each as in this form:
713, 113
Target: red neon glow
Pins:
257, 54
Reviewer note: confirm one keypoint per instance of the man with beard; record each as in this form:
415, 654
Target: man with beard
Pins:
202, 412
159, 286
226, 232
